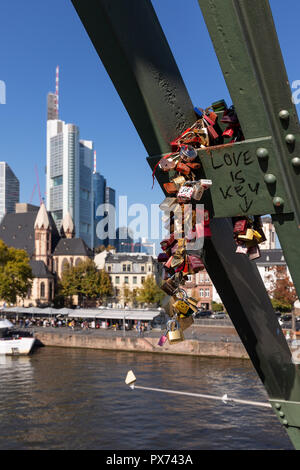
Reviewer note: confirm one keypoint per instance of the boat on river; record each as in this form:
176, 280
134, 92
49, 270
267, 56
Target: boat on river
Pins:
14, 342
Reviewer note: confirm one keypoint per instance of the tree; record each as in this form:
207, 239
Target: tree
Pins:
15, 273
280, 306
127, 294
101, 248
150, 293
104, 285
85, 281
281, 288
69, 284
217, 307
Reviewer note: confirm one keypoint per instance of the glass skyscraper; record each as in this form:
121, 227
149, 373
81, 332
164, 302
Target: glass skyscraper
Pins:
69, 178
9, 190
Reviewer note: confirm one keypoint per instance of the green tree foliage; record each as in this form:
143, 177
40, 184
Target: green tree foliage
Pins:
127, 294
85, 281
280, 306
150, 293
104, 285
15, 273
216, 307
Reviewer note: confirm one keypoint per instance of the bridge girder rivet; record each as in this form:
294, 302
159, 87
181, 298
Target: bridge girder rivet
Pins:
296, 162
262, 153
284, 114
278, 201
277, 406
281, 414
269, 178
285, 422
290, 139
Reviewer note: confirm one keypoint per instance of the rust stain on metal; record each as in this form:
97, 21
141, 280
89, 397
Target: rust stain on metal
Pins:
209, 150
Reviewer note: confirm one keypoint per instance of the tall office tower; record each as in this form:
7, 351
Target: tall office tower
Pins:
86, 198
62, 174
69, 186
110, 199
99, 186
9, 190
110, 196
52, 100
124, 240
51, 106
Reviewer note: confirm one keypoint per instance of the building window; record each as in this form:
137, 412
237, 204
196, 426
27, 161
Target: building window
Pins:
128, 268
149, 269
109, 269
117, 279
201, 292
126, 280
207, 293
42, 290
143, 269
134, 280
143, 280
64, 265
124, 268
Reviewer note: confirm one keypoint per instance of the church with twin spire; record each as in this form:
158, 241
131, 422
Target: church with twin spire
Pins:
50, 251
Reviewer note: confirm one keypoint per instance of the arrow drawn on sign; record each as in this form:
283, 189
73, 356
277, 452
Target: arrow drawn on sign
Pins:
247, 205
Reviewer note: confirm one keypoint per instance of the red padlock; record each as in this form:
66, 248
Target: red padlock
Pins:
182, 168
228, 132
195, 264
168, 242
240, 227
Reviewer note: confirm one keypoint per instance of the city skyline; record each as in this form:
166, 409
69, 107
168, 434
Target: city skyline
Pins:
87, 96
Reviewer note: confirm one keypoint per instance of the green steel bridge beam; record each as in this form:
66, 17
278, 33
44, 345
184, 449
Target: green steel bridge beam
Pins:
131, 44
247, 47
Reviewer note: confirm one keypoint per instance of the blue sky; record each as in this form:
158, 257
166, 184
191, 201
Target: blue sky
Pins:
37, 35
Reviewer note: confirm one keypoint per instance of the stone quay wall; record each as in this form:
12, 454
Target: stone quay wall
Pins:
194, 347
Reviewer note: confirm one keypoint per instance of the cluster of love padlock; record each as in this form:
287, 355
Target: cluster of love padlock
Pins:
184, 309
248, 234
182, 166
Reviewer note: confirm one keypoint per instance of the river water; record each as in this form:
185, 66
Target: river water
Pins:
77, 399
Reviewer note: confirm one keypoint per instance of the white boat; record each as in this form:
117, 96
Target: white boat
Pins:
14, 342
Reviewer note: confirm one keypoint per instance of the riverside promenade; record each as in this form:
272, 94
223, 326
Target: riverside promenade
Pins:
200, 340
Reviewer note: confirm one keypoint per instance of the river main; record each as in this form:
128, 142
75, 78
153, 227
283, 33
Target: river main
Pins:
77, 399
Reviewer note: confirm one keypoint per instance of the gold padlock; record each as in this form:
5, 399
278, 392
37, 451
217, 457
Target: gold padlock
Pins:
174, 334
177, 260
248, 236
181, 306
192, 303
258, 236
179, 181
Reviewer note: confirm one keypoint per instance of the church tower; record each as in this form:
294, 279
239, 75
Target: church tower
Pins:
43, 236
68, 229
